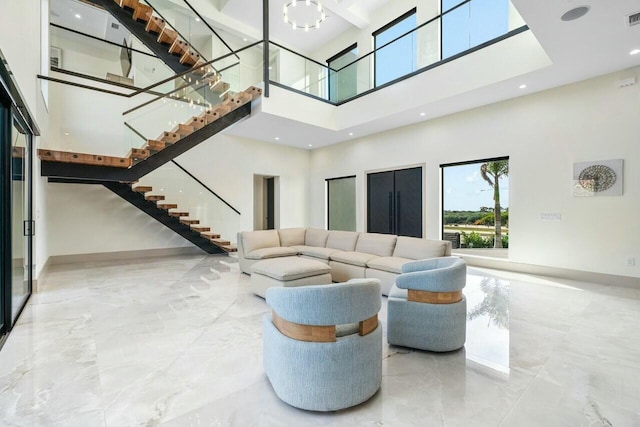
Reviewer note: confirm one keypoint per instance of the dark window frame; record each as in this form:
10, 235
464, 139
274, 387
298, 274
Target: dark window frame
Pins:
463, 163
328, 198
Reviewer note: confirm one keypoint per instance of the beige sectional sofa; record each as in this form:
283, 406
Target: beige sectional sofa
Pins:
349, 254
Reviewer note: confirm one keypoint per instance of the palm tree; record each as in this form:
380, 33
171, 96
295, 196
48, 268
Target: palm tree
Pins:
492, 172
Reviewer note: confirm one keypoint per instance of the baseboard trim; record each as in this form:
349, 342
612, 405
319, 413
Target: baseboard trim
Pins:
39, 282
559, 273
120, 255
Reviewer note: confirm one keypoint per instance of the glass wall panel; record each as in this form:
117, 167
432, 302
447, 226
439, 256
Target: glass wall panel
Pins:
472, 24
20, 210
345, 81
398, 58
341, 203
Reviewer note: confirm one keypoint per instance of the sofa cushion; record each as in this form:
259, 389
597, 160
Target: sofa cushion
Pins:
252, 240
376, 244
275, 252
392, 264
316, 237
316, 252
286, 269
354, 258
414, 248
343, 240
291, 236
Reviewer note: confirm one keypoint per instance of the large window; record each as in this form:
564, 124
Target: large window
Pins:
343, 84
475, 198
472, 24
341, 203
396, 58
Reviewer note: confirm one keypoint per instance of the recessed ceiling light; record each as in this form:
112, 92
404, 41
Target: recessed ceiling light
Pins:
78, 16
575, 13
423, 114
197, 19
277, 138
523, 86
310, 145
66, 133
245, 39
350, 133
271, 68
634, 52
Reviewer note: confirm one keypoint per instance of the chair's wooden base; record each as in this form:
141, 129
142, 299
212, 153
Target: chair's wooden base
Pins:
312, 333
434, 297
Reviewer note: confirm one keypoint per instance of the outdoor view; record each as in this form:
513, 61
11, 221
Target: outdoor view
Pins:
476, 207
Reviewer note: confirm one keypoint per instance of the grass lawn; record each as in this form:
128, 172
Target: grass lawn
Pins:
468, 228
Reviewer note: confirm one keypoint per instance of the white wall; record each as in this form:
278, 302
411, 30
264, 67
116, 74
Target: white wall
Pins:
86, 219
543, 135
21, 44
228, 164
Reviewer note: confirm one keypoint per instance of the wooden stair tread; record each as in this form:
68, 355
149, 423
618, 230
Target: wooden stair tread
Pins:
142, 189
142, 12
210, 235
220, 242
155, 25
167, 35
229, 248
154, 197
167, 206
83, 158
178, 214
189, 221
200, 228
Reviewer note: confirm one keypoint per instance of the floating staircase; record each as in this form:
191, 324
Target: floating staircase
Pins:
170, 215
155, 152
119, 174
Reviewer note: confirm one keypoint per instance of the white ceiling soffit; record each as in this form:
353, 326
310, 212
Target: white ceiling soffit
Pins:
596, 44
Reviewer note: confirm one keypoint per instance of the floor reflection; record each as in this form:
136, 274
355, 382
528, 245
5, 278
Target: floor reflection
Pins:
488, 321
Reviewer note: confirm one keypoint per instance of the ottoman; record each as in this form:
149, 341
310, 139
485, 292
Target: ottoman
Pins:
288, 271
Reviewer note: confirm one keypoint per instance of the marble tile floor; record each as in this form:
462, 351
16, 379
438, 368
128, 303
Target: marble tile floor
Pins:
176, 341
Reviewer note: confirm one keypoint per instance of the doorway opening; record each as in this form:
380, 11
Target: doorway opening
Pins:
266, 202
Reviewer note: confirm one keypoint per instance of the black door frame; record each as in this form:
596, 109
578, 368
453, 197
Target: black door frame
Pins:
13, 108
422, 166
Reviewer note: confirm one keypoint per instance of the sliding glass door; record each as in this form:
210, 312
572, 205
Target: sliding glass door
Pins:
20, 218
17, 129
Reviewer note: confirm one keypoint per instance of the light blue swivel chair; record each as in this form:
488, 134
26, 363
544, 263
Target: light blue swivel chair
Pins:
427, 309
323, 344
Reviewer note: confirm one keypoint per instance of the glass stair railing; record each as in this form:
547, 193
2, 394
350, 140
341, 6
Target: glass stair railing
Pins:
195, 205
174, 110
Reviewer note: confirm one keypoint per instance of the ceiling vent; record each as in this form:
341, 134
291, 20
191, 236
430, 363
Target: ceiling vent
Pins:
633, 19
115, 26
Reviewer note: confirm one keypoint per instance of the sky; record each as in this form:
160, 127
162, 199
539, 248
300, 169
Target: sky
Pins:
467, 26
465, 190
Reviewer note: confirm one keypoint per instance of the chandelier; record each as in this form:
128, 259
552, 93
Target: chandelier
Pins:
304, 14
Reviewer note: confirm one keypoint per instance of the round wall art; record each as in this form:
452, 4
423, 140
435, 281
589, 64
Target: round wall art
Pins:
598, 178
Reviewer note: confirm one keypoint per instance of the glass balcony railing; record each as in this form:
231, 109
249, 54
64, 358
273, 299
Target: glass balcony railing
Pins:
464, 25
194, 198
126, 63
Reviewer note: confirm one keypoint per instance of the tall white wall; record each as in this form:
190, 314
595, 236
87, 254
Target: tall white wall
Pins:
22, 46
543, 134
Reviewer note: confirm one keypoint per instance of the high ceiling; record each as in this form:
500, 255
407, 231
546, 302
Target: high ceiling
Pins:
342, 15
594, 45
